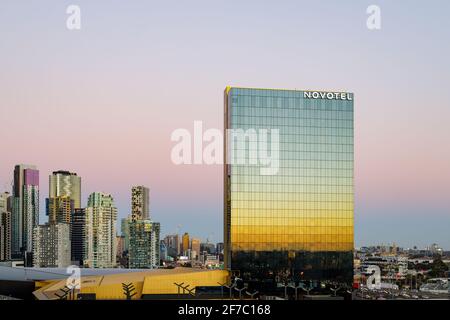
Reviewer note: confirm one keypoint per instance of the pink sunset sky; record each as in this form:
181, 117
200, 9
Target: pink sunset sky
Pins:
103, 101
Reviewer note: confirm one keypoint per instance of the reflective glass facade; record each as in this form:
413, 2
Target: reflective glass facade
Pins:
299, 221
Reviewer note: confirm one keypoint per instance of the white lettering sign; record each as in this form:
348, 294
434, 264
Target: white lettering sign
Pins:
328, 95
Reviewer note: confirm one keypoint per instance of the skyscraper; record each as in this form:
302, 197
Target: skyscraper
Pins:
185, 243
65, 184
208, 247
143, 234
144, 244
173, 245
80, 231
101, 218
25, 210
140, 207
219, 247
60, 209
195, 248
298, 218
52, 248
5, 226
125, 230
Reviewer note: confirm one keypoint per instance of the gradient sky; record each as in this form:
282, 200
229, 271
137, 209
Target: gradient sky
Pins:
103, 101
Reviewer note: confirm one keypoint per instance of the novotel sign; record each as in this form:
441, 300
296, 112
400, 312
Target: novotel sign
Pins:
327, 95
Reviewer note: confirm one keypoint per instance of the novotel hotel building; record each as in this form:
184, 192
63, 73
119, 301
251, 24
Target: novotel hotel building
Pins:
296, 224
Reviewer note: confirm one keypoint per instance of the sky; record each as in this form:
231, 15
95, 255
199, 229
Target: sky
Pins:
103, 101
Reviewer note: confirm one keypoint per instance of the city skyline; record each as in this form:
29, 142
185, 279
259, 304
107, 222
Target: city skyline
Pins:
44, 218
102, 101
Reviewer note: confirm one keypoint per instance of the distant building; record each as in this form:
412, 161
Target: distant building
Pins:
211, 261
140, 203
185, 244
144, 244
101, 216
219, 247
120, 246
195, 248
173, 245
52, 249
25, 211
65, 184
208, 247
435, 249
81, 229
5, 226
163, 251
59, 209
125, 231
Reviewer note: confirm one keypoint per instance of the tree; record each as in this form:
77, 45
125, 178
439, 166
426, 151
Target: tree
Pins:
438, 268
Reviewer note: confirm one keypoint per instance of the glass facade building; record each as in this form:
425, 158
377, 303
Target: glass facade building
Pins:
144, 244
298, 222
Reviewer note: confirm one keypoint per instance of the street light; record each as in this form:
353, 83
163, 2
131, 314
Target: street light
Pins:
310, 287
296, 289
240, 290
252, 295
335, 290
285, 284
231, 289
221, 287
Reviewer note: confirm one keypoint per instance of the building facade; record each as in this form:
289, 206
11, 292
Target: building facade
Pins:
60, 209
125, 230
195, 248
173, 245
140, 203
208, 247
52, 249
80, 230
298, 219
144, 244
25, 211
101, 218
5, 226
185, 244
65, 184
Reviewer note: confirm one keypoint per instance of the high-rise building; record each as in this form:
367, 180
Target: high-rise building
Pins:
173, 245
5, 226
208, 247
25, 211
163, 251
120, 241
65, 184
80, 231
141, 234
140, 203
144, 244
101, 218
125, 230
52, 249
185, 243
297, 217
219, 247
195, 248
60, 209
